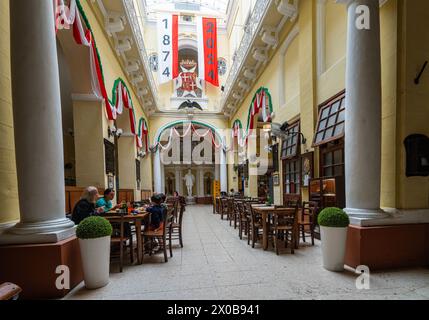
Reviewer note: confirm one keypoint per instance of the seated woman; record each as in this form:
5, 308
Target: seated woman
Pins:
86, 205
106, 201
157, 211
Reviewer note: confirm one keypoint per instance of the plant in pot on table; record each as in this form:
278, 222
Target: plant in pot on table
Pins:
94, 240
334, 224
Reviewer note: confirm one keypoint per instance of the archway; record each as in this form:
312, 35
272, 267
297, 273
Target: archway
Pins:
193, 139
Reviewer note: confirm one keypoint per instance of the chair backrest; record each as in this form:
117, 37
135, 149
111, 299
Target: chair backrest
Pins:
181, 211
310, 209
9, 291
167, 219
292, 200
285, 217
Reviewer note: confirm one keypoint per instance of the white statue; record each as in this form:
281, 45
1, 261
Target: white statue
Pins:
190, 180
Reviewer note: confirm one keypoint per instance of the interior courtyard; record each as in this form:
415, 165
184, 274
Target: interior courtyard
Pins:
224, 109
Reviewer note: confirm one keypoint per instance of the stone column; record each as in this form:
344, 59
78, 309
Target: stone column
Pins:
223, 172
162, 178
178, 178
157, 172
38, 125
217, 172
363, 110
201, 192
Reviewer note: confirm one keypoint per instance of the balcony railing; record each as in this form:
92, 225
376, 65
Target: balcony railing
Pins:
251, 32
138, 35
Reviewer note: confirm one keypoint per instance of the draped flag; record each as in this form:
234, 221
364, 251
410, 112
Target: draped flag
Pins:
207, 50
168, 47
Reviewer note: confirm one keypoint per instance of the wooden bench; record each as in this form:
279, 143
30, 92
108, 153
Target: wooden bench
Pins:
9, 291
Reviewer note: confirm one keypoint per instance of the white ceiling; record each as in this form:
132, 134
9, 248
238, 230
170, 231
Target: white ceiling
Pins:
208, 7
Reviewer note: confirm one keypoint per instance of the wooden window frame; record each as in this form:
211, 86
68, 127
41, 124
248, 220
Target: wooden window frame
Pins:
331, 148
322, 107
297, 161
297, 145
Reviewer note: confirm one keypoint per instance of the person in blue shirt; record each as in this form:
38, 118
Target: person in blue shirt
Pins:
157, 212
106, 201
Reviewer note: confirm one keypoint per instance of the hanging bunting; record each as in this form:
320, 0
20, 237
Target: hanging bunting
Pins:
83, 35
207, 50
168, 47
261, 103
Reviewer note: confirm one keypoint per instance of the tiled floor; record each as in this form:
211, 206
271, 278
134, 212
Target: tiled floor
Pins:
216, 264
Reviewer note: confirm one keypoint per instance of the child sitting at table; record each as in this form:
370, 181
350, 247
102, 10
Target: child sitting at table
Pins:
157, 212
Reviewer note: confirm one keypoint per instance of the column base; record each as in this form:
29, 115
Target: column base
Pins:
10, 237
33, 268
28, 228
360, 216
388, 247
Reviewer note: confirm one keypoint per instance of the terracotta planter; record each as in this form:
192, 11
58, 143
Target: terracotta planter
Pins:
333, 247
96, 261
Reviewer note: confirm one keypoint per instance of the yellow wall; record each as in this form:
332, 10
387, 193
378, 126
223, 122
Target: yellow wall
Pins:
413, 111
9, 210
113, 70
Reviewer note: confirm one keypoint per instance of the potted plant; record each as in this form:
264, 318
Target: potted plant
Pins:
333, 223
94, 240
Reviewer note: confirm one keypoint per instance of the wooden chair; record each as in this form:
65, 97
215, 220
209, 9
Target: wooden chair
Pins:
243, 222
177, 228
9, 291
285, 228
308, 219
223, 207
292, 200
230, 210
255, 224
120, 238
161, 234
236, 211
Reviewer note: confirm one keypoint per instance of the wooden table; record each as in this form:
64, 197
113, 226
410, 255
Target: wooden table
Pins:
266, 212
137, 220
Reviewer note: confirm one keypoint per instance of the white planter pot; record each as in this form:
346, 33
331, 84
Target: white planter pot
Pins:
96, 261
333, 247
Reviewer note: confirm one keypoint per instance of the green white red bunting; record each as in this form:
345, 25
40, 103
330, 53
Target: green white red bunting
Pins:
71, 15
261, 102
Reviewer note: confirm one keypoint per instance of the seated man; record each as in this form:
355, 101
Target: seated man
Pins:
86, 206
106, 202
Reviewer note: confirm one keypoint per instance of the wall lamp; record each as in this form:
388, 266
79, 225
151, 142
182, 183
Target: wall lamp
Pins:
281, 131
112, 132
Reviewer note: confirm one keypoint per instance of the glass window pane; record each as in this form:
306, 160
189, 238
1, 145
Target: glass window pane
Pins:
338, 170
329, 133
319, 136
325, 112
328, 172
327, 159
341, 116
342, 103
338, 157
335, 106
322, 125
339, 129
332, 120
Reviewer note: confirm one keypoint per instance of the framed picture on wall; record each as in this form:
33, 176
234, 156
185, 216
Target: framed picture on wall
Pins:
111, 182
307, 168
276, 179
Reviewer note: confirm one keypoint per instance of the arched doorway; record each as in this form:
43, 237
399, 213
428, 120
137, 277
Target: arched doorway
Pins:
190, 149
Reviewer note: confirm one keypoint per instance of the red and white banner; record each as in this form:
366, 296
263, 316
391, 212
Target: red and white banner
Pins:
207, 50
168, 47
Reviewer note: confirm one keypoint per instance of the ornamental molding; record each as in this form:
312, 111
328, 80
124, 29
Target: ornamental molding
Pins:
244, 72
124, 30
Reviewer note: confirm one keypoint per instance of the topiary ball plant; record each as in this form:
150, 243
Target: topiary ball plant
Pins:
93, 228
333, 217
